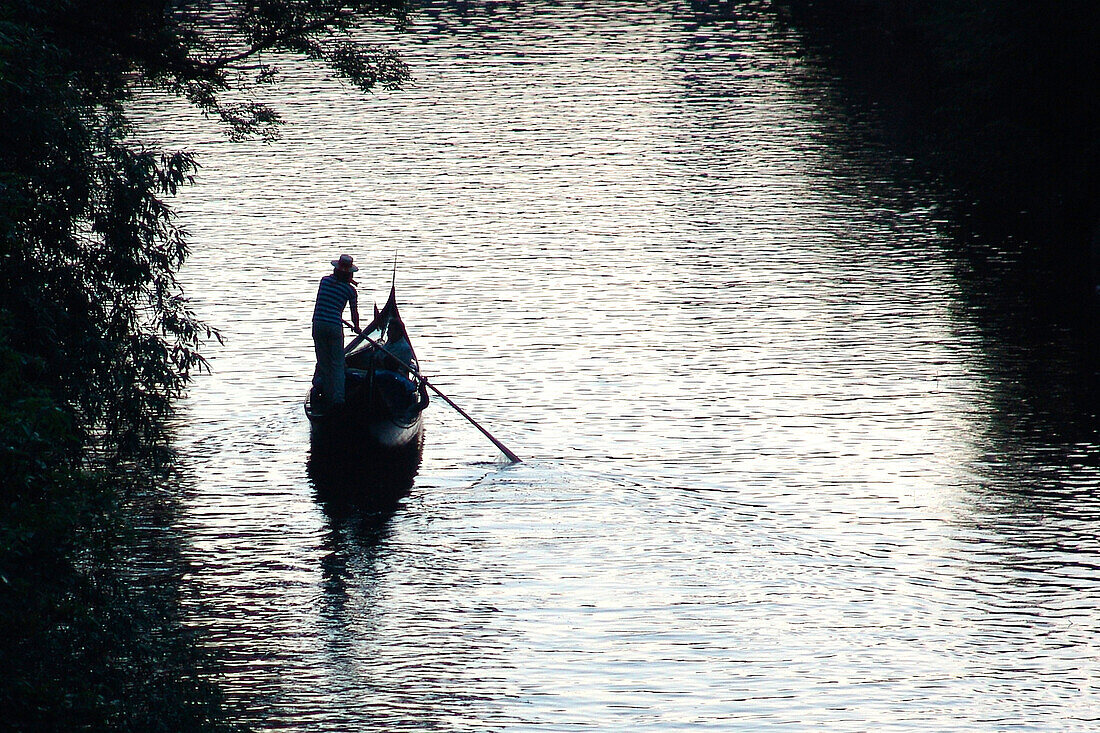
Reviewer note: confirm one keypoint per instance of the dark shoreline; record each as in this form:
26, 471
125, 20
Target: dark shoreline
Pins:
997, 99
95, 637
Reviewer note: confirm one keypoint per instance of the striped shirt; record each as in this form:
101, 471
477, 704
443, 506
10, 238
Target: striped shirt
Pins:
332, 296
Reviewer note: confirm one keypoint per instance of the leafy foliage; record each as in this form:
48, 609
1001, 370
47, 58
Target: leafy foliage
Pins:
89, 246
227, 50
96, 337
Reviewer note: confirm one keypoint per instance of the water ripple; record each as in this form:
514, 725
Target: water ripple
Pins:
778, 469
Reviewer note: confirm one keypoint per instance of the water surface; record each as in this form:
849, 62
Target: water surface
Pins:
784, 466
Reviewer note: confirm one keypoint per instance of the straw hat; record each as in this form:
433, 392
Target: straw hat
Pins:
345, 263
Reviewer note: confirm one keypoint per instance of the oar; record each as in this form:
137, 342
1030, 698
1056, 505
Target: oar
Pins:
503, 448
360, 335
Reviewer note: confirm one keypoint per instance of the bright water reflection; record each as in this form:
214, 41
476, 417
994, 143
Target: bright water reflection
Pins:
776, 475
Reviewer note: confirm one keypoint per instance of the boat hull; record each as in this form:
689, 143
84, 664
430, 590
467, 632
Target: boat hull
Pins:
356, 426
385, 397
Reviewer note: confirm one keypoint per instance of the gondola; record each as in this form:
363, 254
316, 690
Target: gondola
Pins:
385, 397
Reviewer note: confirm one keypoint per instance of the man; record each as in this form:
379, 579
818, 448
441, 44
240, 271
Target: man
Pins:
334, 293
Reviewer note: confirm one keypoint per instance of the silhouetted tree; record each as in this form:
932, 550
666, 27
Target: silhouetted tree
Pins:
96, 338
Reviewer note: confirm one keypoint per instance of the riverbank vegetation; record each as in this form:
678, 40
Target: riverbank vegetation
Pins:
96, 337
997, 97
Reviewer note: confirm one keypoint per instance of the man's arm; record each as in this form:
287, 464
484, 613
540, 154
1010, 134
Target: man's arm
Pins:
354, 303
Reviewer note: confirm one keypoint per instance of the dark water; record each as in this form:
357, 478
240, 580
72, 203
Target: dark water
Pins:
793, 458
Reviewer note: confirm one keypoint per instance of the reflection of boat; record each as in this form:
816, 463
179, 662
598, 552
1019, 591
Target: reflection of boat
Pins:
365, 480
385, 396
